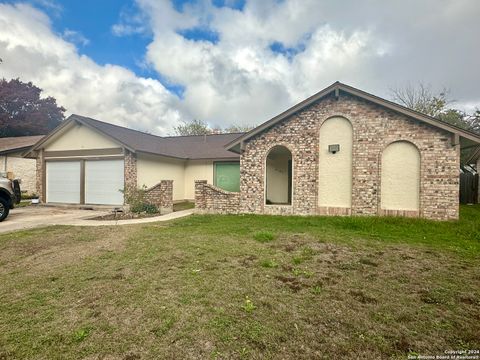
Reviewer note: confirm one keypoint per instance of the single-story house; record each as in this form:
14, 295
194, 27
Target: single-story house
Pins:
14, 165
86, 161
344, 151
340, 152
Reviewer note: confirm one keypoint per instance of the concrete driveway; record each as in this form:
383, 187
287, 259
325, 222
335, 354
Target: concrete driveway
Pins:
39, 216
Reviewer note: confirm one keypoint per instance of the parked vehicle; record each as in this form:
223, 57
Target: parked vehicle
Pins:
9, 196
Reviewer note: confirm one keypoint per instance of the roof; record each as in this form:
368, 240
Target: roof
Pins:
182, 147
19, 143
337, 88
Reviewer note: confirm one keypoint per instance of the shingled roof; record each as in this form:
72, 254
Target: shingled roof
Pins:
19, 143
181, 147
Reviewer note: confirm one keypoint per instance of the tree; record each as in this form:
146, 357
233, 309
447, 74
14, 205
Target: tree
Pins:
193, 127
421, 99
23, 112
199, 127
424, 100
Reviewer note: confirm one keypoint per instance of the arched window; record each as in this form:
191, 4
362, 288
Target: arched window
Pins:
278, 182
400, 180
335, 163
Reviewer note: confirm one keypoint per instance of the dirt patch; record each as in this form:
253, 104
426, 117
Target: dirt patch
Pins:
64, 251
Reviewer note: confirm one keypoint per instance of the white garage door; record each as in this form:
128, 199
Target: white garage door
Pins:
103, 182
63, 182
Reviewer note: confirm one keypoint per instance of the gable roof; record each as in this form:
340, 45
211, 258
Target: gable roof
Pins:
194, 147
17, 144
338, 87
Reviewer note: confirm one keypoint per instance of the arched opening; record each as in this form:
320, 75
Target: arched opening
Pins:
400, 179
335, 163
278, 184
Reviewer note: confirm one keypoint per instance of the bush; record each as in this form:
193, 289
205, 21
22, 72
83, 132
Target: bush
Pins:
138, 203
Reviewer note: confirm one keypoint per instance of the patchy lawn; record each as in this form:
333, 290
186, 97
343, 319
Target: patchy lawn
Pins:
242, 287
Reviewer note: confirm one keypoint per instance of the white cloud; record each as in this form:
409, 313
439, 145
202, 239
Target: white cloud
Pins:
32, 51
239, 79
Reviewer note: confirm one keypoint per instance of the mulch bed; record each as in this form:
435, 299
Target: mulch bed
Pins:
124, 216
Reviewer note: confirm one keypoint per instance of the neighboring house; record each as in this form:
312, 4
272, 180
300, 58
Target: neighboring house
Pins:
86, 161
12, 162
344, 151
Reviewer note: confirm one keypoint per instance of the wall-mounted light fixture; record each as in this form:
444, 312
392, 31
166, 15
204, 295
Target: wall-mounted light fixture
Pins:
334, 148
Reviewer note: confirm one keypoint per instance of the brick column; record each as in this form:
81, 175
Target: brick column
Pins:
130, 171
166, 196
200, 201
40, 175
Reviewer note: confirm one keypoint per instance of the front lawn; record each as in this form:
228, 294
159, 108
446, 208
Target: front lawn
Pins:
242, 287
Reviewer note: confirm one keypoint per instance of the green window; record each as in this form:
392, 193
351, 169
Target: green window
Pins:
227, 176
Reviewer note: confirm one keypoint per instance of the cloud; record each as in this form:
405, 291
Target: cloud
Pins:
241, 62
75, 37
32, 51
271, 54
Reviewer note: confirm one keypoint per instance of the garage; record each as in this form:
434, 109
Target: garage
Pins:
104, 182
96, 182
63, 182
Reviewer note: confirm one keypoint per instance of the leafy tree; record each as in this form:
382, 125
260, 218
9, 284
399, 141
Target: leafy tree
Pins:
23, 112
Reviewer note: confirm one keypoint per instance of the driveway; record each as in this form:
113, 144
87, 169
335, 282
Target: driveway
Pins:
39, 216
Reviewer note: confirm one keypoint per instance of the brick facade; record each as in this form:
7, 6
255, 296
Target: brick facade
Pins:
374, 128
161, 195
210, 199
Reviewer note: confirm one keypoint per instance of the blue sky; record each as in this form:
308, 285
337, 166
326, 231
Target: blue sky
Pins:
93, 20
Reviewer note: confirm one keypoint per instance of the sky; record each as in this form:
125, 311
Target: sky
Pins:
150, 64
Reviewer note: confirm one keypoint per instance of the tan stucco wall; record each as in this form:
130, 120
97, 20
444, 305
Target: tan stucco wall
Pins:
197, 170
335, 170
21, 168
151, 169
277, 179
400, 181
79, 137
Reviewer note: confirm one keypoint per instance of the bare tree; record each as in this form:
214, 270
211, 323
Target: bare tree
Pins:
422, 99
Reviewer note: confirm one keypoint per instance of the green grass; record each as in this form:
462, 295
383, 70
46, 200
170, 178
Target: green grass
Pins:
242, 287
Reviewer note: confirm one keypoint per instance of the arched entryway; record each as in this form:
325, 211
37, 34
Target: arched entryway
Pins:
400, 179
278, 182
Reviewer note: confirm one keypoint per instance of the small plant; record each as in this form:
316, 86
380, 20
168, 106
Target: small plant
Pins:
297, 260
300, 272
269, 263
248, 305
137, 200
316, 289
81, 334
263, 236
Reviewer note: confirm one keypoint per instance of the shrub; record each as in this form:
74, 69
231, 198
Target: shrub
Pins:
138, 202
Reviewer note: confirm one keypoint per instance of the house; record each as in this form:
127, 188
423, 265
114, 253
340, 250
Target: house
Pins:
346, 152
340, 152
14, 165
86, 161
